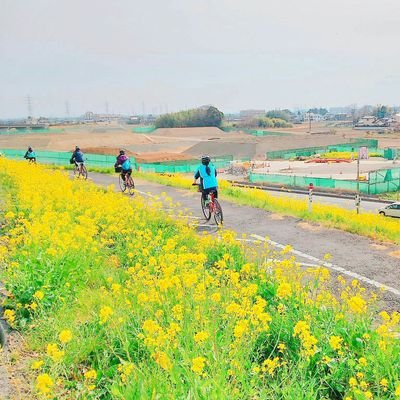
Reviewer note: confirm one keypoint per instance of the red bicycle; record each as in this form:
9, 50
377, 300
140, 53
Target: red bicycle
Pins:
211, 206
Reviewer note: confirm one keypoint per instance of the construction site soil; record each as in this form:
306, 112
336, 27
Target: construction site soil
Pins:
184, 143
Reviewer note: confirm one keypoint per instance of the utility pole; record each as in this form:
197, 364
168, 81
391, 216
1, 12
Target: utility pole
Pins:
67, 113
310, 196
29, 104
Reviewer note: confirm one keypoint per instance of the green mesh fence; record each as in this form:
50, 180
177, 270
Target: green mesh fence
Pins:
16, 131
99, 160
182, 166
372, 145
255, 132
144, 129
391, 153
62, 158
382, 181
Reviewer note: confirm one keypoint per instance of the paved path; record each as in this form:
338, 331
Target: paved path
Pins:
376, 264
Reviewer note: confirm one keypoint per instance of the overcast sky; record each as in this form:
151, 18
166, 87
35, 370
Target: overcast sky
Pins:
174, 54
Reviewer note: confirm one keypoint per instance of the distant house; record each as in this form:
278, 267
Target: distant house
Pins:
133, 120
372, 122
368, 120
313, 117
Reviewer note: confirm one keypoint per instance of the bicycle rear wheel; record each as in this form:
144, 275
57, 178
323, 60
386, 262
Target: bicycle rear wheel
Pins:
218, 215
205, 209
83, 172
122, 183
131, 185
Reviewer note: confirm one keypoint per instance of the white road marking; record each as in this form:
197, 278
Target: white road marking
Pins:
331, 266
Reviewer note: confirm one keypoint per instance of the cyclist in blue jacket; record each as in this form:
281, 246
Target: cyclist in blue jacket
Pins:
77, 156
208, 177
30, 155
125, 163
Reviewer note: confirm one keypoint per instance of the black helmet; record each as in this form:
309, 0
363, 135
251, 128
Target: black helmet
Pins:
205, 160
121, 152
30, 148
77, 148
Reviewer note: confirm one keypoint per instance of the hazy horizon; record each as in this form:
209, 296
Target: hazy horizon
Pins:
176, 54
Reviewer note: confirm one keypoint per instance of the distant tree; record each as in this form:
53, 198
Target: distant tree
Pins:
210, 116
281, 114
382, 111
214, 117
263, 122
320, 111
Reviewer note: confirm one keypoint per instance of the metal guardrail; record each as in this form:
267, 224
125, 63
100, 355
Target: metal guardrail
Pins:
305, 192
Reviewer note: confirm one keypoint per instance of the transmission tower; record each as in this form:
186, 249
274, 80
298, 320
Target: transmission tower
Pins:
29, 105
67, 113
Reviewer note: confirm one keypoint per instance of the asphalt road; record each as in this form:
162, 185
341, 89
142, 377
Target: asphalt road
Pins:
375, 264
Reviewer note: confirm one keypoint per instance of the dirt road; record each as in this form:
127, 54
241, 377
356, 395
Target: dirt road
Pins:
353, 256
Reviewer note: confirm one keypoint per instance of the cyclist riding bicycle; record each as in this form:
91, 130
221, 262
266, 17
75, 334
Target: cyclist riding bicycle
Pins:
208, 178
30, 155
77, 157
124, 162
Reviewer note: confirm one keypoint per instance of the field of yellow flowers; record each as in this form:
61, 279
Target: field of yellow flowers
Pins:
366, 224
118, 300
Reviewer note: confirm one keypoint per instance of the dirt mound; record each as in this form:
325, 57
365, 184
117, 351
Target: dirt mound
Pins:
107, 151
202, 132
217, 148
160, 156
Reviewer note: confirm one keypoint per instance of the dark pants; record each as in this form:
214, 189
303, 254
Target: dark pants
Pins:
126, 172
206, 192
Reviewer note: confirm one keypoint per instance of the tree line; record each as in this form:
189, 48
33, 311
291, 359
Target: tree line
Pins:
210, 116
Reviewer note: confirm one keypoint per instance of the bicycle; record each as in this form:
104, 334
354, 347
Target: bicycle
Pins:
212, 207
80, 170
126, 183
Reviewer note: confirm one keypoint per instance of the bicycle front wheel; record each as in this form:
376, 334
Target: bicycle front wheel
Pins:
218, 216
205, 209
131, 186
122, 184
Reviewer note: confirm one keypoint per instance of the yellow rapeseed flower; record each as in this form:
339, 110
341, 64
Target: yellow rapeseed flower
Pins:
363, 361
37, 365
39, 295
90, 375
201, 336
198, 365
284, 290
54, 353
357, 304
105, 313
163, 360
9, 316
65, 336
44, 384
335, 342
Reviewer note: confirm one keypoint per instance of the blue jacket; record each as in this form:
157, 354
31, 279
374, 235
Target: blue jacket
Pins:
208, 181
78, 156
